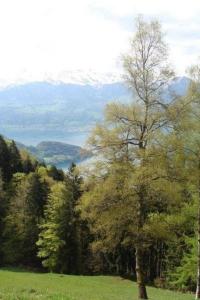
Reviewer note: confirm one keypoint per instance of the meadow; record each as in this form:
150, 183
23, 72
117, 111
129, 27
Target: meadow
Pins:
23, 285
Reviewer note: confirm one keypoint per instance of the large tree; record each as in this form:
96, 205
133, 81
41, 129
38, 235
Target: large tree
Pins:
130, 133
188, 128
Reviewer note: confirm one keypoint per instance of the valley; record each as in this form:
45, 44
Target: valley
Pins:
57, 153
63, 112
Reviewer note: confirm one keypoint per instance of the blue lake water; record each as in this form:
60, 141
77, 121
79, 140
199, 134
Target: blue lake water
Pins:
30, 138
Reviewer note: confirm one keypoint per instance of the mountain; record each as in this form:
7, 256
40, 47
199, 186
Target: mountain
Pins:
64, 112
75, 76
56, 153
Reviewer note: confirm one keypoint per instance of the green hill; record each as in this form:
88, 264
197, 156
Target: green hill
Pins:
57, 153
28, 286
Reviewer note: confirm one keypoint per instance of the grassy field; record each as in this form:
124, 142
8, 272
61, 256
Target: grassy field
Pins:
17, 285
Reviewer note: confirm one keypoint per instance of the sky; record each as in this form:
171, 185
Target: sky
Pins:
48, 39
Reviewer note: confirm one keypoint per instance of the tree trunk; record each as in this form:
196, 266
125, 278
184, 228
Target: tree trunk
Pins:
142, 293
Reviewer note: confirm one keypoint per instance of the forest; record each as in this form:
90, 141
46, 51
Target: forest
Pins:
133, 212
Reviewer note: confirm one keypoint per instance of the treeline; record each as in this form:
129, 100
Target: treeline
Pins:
40, 226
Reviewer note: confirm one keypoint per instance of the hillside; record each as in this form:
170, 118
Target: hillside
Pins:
57, 153
29, 286
40, 111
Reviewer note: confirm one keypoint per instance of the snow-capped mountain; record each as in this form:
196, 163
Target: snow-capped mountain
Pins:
80, 77
89, 77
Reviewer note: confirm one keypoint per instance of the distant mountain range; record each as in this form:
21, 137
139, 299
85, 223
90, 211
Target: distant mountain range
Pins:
63, 112
75, 76
56, 153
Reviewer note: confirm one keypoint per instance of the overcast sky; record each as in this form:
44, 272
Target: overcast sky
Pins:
43, 39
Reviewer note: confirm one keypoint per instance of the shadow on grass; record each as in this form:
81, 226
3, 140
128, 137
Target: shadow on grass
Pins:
22, 269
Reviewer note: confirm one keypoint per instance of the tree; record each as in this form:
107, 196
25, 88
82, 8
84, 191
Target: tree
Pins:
131, 133
186, 139
80, 233
15, 158
5, 160
63, 251
24, 215
27, 165
56, 174
189, 131
56, 230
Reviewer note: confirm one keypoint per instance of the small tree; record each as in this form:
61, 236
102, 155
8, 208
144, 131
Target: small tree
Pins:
15, 158
5, 160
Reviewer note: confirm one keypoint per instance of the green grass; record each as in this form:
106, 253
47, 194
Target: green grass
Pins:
16, 285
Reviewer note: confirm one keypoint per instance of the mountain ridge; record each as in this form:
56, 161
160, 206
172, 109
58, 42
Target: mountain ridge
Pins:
37, 111
56, 153
78, 76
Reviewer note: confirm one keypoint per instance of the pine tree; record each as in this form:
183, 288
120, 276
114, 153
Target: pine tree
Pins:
73, 182
27, 165
56, 174
5, 160
56, 231
21, 223
15, 158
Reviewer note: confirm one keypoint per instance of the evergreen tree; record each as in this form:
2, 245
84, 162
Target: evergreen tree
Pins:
5, 160
27, 165
21, 223
78, 244
57, 230
15, 158
56, 174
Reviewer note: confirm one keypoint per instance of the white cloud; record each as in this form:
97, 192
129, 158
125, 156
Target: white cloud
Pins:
44, 38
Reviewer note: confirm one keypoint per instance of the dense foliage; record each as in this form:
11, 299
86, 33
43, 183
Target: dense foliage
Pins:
136, 210
39, 223
45, 225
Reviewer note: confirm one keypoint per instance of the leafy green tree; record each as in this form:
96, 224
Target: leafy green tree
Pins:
184, 276
183, 141
130, 134
189, 132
